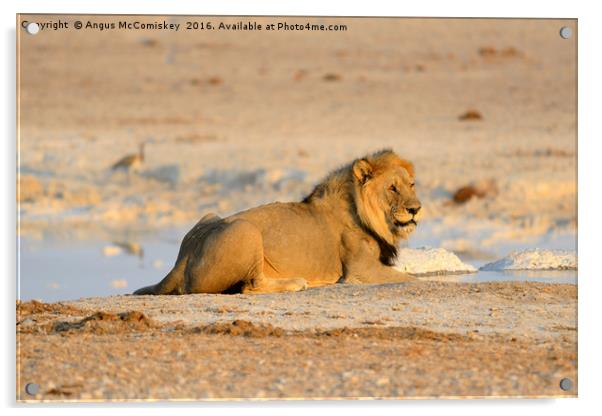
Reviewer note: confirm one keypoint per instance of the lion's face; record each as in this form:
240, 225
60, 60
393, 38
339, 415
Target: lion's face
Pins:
400, 202
386, 197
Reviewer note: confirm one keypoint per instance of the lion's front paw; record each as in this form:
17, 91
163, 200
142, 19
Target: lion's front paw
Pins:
276, 285
298, 284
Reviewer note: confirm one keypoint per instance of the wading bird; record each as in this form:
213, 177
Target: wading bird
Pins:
130, 163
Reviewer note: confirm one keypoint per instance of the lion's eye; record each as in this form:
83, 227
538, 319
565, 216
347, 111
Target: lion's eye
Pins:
392, 188
412, 185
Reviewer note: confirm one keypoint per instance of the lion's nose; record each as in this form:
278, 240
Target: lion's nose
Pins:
414, 209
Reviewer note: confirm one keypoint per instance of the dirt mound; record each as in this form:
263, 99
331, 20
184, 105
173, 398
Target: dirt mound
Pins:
394, 333
104, 323
34, 307
254, 330
240, 328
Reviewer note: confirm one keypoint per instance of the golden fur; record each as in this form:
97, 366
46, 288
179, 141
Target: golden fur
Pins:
346, 230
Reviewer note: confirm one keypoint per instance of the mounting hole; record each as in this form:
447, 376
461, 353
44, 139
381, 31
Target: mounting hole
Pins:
32, 28
566, 32
32, 389
566, 384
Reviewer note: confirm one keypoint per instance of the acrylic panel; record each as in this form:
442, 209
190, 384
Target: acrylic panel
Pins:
254, 208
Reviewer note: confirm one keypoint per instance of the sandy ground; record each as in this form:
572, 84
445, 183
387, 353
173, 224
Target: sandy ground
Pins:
426, 339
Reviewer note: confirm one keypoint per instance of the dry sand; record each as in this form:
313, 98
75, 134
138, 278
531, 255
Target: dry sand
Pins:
426, 339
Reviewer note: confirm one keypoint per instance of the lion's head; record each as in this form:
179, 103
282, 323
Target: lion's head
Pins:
384, 195
380, 188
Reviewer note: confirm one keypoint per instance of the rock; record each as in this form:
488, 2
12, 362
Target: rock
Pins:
430, 261
470, 115
330, 77
215, 80
480, 189
535, 259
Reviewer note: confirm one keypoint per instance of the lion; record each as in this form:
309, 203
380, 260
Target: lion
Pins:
345, 231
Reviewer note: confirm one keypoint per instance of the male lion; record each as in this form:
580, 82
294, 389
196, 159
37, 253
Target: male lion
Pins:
346, 230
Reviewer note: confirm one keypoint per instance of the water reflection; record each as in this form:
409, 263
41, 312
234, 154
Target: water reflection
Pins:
131, 248
63, 268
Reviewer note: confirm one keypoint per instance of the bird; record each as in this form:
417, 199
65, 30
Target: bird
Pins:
130, 162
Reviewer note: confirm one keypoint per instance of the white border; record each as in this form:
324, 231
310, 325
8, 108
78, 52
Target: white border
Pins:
590, 209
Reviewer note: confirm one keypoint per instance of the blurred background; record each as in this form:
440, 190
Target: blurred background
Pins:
127, 138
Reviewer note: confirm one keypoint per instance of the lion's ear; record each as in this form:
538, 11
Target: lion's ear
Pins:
407, 165
362, 169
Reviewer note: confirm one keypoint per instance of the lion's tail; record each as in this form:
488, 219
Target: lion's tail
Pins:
172, 284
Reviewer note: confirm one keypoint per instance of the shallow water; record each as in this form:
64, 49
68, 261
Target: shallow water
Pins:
63, 267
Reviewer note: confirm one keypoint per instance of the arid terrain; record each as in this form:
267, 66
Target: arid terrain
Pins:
235, 119
427, 339
485, 109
